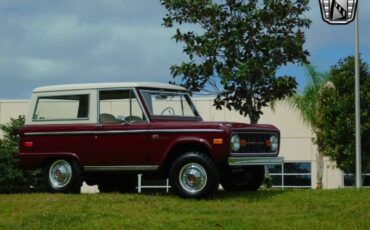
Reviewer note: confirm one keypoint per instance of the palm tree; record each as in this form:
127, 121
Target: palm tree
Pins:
308, 106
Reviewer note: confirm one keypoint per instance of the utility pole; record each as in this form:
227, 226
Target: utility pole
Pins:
357, 105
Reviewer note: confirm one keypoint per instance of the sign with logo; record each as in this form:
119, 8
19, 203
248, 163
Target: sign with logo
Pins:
338, 11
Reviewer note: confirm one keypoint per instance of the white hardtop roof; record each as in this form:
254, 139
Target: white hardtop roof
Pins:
107, 86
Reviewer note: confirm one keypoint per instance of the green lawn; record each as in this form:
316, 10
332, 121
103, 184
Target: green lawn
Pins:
275, 209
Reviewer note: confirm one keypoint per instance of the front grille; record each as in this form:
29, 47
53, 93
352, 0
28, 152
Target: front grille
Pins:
255, 143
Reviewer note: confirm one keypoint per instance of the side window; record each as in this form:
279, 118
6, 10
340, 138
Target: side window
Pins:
68, 107
117, 106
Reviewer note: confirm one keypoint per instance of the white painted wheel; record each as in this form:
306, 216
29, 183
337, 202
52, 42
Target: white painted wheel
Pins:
193, 177
60, 174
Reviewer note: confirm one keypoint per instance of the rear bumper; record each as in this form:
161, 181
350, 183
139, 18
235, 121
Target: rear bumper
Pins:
242, 161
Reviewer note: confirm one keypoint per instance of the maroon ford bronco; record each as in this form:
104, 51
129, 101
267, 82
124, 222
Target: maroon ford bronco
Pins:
105, 134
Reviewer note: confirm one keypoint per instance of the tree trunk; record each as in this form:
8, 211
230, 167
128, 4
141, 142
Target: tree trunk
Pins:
254, 119
319, 170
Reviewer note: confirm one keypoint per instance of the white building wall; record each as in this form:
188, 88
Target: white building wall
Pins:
12, 109
296, 137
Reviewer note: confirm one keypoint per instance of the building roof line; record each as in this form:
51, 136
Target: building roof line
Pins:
107, 85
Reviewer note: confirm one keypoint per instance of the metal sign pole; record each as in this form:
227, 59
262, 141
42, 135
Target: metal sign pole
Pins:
357, 104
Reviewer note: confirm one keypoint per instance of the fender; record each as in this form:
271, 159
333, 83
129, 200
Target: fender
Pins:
186, 140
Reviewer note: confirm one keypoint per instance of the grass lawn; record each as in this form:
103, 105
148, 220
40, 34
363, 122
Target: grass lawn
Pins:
266, 209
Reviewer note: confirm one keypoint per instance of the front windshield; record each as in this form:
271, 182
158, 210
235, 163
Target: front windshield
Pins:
162, 103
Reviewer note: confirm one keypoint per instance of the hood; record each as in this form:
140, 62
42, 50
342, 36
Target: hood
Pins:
237, 125
229, 126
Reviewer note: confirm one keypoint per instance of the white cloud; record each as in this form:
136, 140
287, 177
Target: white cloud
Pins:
50, 42
39, 67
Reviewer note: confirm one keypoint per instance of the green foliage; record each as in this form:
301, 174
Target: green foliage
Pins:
12, 179
307, 103
238, 47
308, 106
336, 138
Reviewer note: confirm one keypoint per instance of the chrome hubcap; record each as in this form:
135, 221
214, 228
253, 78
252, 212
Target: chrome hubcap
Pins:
60, 173
193, 177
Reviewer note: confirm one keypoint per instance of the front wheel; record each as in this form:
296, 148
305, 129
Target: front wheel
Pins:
249, 178
62, 176
194, 175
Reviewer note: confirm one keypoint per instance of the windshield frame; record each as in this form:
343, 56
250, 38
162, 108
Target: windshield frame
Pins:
187, 97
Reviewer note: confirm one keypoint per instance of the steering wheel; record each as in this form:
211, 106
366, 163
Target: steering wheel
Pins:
170, 110
133, 119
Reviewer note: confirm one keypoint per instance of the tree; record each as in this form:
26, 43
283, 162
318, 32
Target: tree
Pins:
237, 47
337, 115
12, 179
307, 104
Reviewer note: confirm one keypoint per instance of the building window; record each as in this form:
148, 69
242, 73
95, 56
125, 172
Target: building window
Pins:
291, 175
350, 181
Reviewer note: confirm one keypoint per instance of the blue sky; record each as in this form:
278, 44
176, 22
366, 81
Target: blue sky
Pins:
46, 42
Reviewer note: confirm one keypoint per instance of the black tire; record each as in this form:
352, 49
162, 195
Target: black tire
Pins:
62, 183
246, 179
193, 186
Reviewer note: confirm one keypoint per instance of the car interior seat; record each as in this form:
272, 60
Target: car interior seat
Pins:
107, 118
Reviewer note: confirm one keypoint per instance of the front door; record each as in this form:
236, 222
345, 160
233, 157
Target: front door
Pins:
122, 130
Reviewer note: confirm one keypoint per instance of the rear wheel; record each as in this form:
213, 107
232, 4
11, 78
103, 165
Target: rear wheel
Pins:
62, 176
194, 175
244, 179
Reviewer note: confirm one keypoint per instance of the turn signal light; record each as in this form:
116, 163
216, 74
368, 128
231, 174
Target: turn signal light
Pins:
217, 141
268, 143
243, 142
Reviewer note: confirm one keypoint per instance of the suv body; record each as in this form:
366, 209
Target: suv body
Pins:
105, 133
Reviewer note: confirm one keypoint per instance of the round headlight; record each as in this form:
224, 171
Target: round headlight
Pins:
274, 143
235, 142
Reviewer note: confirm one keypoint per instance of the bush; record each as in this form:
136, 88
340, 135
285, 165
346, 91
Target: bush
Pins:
336, 137
12, 179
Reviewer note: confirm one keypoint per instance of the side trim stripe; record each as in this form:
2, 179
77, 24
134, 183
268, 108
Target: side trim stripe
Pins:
124, 132
122, 168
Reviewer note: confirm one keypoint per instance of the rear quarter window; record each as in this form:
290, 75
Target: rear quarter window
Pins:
68, 107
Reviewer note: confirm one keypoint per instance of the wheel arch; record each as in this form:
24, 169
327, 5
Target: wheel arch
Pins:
66, 156
182, 147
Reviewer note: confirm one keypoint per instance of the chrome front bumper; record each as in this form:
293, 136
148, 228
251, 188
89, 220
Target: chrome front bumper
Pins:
241, 161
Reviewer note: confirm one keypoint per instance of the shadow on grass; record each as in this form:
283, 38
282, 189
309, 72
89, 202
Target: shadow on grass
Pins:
249, 195
221, 194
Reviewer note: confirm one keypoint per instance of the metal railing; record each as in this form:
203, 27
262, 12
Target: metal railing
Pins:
140, 186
